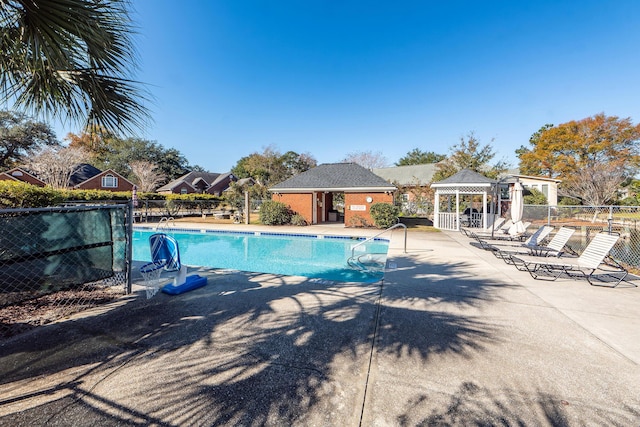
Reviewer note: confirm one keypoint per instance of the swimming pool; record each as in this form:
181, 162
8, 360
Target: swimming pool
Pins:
313, 256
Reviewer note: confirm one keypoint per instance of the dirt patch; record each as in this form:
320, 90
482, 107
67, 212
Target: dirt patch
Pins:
26, 315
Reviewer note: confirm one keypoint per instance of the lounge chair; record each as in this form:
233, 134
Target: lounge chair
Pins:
555, 247
532, 241
500, 226
503, 236
585, 265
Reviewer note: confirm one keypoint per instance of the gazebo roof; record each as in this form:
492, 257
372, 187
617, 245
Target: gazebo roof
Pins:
465, 178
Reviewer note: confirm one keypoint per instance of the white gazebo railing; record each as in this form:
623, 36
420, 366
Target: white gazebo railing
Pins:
446, 221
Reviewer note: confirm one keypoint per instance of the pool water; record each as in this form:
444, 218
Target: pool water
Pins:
323, 257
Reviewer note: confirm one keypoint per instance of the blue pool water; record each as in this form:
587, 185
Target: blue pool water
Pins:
323, 257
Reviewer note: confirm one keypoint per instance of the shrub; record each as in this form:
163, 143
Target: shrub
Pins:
274, 213
569, 201
358, 221
536, 197
384, 214
95, 195
297, 219
23, 195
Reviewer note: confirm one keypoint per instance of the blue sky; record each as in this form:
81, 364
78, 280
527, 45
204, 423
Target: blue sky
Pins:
230, 78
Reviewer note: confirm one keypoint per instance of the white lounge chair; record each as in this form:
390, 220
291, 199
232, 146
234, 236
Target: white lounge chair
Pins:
534, 240
499, 226
585, 265
555, 247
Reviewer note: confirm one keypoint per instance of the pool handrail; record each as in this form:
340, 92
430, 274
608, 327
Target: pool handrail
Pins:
382, 232
164, 221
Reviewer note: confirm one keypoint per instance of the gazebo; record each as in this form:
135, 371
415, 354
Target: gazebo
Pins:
457, 200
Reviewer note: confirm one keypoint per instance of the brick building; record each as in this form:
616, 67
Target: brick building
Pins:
334, 192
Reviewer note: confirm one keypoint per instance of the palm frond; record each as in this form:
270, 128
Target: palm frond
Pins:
72, 60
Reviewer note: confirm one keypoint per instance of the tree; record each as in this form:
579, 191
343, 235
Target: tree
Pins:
111, 152
469, 154
596, 185
271, 167
71, 60
147, 175
94, 139
367, 159
593, 156
55, 165
419, 157
21, 136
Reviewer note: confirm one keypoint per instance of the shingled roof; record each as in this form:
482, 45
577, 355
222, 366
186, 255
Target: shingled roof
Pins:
465, 177
408, 175
334, 177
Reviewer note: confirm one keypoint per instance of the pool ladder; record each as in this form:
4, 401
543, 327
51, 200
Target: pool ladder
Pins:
372, 263
164, 223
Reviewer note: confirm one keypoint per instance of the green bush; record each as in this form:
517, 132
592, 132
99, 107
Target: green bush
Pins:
569, 201
95, 195
535, 197
384, 214
274, 213
22, 195
297, 219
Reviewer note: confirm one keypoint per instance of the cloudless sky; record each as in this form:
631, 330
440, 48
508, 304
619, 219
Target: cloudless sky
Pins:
331, 77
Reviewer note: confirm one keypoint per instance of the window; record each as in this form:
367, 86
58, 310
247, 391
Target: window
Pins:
183, 190
405, 197
109, 181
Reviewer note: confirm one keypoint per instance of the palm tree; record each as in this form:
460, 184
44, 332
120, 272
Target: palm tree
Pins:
71, 60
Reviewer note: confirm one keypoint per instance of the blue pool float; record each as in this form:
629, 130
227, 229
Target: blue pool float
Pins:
193, 282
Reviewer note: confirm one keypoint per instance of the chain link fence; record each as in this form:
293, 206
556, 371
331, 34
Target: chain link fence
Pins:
58, 261
590, 220
155, 210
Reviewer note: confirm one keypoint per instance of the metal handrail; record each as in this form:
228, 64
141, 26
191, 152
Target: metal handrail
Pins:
165, 220
353, 248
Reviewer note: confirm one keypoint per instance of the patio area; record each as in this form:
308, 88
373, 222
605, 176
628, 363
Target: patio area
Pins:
452, 336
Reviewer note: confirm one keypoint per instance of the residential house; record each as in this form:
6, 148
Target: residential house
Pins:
413, 185
21, 174
547, 186
88, 177
199, 182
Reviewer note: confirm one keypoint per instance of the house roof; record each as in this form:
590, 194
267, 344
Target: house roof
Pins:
465, 177
83, 172
221, 183
191, 178
334, 177
408, 175
16, 172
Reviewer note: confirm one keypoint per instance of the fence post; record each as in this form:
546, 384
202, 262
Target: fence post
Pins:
549, 215
129, 233
610, 219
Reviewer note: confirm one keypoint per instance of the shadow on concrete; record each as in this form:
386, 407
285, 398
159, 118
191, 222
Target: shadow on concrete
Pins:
250, 349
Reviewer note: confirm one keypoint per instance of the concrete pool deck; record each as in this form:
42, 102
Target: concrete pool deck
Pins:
452, 336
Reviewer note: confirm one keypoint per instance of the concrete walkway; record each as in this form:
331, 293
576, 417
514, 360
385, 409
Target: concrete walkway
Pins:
452, 336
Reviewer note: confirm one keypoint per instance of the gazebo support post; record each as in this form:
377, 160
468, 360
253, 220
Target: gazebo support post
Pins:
457, 218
